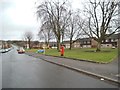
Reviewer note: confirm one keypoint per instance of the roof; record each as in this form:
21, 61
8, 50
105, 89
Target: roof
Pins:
114, 36
85, 39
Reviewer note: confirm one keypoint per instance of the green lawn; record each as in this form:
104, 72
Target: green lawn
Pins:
105, 56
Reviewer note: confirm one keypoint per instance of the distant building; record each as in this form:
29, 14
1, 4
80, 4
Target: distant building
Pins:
67, 44
76, 44
53, 44
85, 42
4, 45
112, 41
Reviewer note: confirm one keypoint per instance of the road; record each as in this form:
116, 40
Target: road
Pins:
22, 71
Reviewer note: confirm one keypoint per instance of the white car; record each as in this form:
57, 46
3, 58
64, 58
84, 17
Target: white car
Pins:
2, 50
6, 50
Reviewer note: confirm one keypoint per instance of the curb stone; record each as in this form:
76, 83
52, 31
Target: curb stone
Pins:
86, 60
80, 59
79, 70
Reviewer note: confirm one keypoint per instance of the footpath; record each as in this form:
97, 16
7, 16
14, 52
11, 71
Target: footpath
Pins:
107, 72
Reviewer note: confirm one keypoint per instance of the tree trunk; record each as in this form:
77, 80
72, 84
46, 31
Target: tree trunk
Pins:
58, 45
29, 44
70, 45
47, 44
98, 47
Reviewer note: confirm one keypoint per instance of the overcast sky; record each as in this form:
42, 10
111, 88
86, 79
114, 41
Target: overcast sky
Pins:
18, 16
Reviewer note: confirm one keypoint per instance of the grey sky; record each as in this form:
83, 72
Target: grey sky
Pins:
18, 16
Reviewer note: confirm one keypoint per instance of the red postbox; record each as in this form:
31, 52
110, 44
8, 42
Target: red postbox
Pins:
62, 50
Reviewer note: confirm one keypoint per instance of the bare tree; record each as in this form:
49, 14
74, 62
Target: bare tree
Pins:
54, 13
101, 20
46, 33
73, 31
28, 36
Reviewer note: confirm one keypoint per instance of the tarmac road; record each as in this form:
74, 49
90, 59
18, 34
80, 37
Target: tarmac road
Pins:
22, 71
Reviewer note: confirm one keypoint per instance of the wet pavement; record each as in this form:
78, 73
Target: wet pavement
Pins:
23, 71
109, 70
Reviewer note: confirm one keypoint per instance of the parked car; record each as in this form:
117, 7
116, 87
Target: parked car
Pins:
21, 50
2, 50
6, 50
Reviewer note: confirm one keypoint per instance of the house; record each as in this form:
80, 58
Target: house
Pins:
67, 44
5, 45
85, 42
93, 43
110, 42
37, 44
53, 44
75, 44
34, 44
81, 43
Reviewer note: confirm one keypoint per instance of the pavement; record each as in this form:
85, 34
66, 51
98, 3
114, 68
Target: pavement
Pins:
107, 71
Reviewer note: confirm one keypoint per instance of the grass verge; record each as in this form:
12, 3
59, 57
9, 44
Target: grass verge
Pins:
105, 56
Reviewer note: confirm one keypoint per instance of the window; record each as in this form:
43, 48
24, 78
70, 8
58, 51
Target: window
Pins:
109, 40
116, 40
106, 40
54, 45
90, 41
113, 40
103, 40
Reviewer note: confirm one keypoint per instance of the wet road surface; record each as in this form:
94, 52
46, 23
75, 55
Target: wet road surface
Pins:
22, 71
